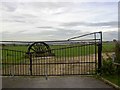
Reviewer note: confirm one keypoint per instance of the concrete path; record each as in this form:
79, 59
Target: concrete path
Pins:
53, 82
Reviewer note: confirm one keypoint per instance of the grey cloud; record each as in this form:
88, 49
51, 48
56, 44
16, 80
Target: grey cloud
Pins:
110, 35
14, 20
51, 4
21, 31
6, 32
54, 35
111, 24
59, 33
65, 6
20, 21
45, 27
10, 6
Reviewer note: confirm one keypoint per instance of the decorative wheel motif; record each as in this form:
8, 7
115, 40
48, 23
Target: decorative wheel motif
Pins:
40, 49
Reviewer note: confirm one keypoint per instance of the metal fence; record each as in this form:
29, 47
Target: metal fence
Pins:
76, 56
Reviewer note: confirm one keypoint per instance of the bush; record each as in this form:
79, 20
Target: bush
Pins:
108, 67
117, 52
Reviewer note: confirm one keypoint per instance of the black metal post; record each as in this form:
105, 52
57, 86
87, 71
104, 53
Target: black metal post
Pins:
100, 54
30, 63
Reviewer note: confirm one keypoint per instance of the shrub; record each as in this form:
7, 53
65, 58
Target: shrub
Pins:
117, 52
108, 67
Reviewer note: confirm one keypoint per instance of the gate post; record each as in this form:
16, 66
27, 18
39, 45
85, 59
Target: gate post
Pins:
30, 63
100, 54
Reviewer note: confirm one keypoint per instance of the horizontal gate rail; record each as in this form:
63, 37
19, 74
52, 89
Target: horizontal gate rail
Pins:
47, 63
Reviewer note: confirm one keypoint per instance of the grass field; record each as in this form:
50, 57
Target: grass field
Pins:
113, 78
107, 47
58, 50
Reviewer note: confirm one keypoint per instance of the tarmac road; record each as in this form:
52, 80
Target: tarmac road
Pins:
54, 82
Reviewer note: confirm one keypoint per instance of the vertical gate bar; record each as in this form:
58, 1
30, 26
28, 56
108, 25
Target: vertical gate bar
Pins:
43, 58
81, 57
6, 62
18, 63
34, 67
56, 65
23, 69
89, 58
95, 54
2, 73
8, 70
39, 67
84, 57
40, 73
49, 64
12, 59
68, 60
65, 60
15, 60
73, 61
1, 61
43, 61
19, 67
77, 65
9, 58
61, 65
46, 75
99, 57
43, 66
57, 57
12, 62
70, 65
30, 63
100, 54
1, 57
56, 60
78, 58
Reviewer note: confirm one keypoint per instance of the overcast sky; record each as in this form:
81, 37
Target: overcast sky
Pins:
57, 20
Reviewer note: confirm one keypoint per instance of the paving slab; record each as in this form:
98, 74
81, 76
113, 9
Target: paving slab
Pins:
53, 82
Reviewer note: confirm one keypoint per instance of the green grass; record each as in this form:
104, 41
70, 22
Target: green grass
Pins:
16, 47
113, 78
58, 50
108, 47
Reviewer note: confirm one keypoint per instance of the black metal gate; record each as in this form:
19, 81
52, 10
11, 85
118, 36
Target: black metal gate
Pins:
76, 56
